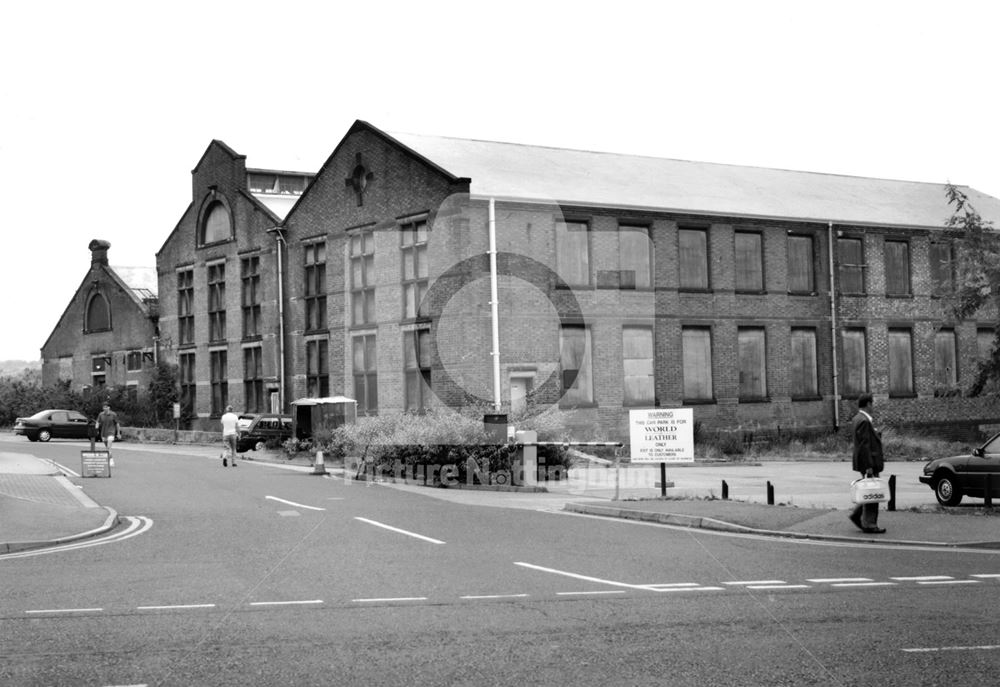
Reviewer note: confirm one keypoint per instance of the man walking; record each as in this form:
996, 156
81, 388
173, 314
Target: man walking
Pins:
229, 420
868, 461
107, 429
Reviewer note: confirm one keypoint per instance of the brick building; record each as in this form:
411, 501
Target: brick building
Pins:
621, 281
107, 335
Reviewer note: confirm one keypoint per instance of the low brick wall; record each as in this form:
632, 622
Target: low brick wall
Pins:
153, 435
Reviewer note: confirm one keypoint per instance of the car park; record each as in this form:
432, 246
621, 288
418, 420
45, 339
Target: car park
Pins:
969, 474
257, 431
54, 424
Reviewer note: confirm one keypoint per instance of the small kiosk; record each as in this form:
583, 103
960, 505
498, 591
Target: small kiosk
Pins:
310, 415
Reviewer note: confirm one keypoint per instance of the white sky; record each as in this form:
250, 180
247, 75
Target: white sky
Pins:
105, 107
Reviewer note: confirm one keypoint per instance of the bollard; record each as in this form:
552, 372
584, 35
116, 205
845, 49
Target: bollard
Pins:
319, 467
663, 479
725, 491
892, 493
770, 494
988, 492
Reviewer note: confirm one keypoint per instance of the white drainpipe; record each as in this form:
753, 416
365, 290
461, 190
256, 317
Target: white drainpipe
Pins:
494, 306
833, 329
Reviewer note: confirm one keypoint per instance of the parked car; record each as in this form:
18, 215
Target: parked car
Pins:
965, 475
54, 424
256, 431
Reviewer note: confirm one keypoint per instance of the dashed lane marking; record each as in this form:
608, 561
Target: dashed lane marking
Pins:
931, 649
66, 610
174, 607
399, 531
494, 596
839, 580
292, 503
286, 603
947, 581
863, 584
749, 582
922, 578
391, 598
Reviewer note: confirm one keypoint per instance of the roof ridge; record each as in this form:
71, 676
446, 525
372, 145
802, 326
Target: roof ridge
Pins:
672, 159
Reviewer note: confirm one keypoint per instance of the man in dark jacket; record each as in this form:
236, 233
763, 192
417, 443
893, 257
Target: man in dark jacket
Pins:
868, 461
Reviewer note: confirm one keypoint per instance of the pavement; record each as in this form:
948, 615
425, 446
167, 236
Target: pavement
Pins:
41, 507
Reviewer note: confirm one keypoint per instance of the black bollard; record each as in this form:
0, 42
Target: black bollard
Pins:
725, 491
988, 492
770, 494
892, 493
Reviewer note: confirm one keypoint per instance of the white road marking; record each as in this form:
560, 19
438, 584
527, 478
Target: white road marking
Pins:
286, 603
983, 647
392, 598
67, 610
690, 589
494, 596
864, 584
136, 526
948, 582
746, 582
987, 575
173, 607
399, 531
292, 503
580, 577
289, 513
673, 585
922, 578
606, 591
778, 586
64, 469
828, 580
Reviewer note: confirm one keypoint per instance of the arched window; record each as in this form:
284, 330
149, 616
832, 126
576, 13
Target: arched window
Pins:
215, 220
98, 314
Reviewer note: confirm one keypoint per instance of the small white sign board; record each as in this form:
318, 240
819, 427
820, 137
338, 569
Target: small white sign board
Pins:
662, 435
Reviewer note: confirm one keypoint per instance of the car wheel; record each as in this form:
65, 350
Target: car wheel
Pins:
259, 446
44, 435
948, 493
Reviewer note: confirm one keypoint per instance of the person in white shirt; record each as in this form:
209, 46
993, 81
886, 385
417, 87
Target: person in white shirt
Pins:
229, 436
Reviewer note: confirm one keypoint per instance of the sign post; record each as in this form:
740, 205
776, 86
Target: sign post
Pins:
177, 419
662, 435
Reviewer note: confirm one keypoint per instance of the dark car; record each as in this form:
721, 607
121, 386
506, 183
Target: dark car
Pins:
54, 424
966, 475
256, 431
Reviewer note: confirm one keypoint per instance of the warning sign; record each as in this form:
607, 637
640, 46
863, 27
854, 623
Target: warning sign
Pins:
662, 435
95, 464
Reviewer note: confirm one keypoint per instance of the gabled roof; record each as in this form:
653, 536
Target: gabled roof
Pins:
596, 179
141, 281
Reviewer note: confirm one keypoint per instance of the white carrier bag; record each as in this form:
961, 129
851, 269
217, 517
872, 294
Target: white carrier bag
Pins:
869, 490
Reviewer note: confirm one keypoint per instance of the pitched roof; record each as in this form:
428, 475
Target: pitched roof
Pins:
596, 179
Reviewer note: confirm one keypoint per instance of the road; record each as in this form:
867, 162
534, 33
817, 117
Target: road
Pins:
260, 575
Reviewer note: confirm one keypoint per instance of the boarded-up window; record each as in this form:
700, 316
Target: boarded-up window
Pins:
693, 258
945, 359
801, 277
696, 352
897, 268
942, 269
637, 361
752, 363
852, 265
854, 365
575, 362
573, 253
804, 375
749, 262
98, 314
635, 251
900, 362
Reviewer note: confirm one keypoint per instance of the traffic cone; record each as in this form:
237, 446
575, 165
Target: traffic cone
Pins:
319, 468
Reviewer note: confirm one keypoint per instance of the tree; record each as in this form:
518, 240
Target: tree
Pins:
977, 272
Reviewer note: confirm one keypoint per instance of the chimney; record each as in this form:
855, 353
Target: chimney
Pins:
99, 252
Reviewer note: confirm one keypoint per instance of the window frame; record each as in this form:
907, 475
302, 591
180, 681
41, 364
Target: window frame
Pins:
747, 277
691, 277
896, 276
895, 391
365, 376
253, 380
627, 261
216, 276
564, 229
416, 369
362, 264
413, 240
794, 259
646, 378
690, 359
219, 380
250, 296
804, 363
185, 306
577, 383
317, 368
855, 269
743, 355
944, 380
88, 326
314, 286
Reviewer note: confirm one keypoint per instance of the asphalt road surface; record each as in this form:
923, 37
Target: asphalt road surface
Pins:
259, 575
